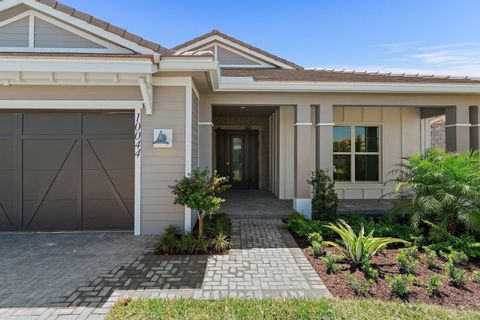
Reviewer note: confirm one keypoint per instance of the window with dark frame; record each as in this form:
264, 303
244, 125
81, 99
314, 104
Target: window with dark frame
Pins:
356, 153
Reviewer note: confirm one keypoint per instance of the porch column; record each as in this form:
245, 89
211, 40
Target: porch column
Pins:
324, 137
457, 128
475, 127
205, 134
302, 155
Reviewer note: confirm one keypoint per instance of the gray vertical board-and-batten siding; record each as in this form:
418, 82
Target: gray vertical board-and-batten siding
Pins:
162, 166
15, 34
194, 130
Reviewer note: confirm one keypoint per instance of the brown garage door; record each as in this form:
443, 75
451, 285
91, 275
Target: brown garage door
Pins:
61, 171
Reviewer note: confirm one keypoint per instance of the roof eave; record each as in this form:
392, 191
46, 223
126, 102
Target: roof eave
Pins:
248, 84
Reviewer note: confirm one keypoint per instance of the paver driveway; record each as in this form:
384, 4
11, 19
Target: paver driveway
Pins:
80, 275
41, 270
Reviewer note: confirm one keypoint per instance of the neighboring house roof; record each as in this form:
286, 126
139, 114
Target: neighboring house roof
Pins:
107, 27
241, 43
339, 76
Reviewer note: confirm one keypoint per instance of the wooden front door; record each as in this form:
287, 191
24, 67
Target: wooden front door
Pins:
237, 157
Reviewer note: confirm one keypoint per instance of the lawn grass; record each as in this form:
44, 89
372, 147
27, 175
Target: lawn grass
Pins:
281, 309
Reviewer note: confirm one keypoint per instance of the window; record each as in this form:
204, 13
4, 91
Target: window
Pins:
360, 162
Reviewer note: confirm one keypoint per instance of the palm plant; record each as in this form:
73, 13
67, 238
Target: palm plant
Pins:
359, 249
441, 188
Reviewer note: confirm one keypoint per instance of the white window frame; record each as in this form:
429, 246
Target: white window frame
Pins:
352, 153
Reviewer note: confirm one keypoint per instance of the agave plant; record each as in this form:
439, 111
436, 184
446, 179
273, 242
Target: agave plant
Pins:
359, 249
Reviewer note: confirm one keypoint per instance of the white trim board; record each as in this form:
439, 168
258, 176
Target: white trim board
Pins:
71, 104
91, 65
188, 145
138, 172
33, 15
242, 84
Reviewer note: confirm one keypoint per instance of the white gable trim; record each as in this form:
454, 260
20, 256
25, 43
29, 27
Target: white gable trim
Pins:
6, 4
33, 15
261, 63
251, 53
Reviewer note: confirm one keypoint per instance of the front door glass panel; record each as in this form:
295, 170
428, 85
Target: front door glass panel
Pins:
237, 166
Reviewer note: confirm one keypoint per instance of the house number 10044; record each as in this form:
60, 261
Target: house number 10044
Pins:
138, 136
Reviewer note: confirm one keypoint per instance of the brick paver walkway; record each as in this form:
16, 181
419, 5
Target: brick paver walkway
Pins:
73, 284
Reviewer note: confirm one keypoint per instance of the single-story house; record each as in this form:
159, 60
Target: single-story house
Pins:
97, 122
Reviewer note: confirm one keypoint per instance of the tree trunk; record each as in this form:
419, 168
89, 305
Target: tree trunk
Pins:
201, 217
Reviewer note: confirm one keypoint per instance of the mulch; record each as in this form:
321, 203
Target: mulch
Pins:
385, 262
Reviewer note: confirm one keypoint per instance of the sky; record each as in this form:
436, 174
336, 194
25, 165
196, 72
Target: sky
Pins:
413, 36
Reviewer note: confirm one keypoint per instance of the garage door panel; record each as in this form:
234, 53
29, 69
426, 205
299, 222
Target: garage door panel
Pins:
112, 154
96, 187
8, 125
64, 185
106, 124
7, 214
105, 214
51, 123
50, 154
52, 214
8, 171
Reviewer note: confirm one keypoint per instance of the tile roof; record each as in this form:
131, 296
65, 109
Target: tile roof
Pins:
325, 75
107, 26
241, 43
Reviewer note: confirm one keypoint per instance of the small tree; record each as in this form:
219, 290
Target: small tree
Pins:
200, 191
325, 199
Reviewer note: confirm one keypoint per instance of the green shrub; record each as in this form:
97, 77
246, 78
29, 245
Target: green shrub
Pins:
359, 249
331, 263
315, 236
456, 257
370, 272
431, 257
456, 275
168, 242
434, 284
440, 188
186, 244
400, 285
324, 198
465, 243
476, 276
407, 260
202, 245
302, 227
220, 243
318, 248
360, 287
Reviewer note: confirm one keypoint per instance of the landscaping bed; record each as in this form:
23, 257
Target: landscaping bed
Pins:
385, 262
216, 239
281, 309
347, 281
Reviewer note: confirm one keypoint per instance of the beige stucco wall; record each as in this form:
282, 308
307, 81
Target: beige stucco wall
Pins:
161, 166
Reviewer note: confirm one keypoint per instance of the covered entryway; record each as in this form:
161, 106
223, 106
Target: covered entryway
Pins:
66, 170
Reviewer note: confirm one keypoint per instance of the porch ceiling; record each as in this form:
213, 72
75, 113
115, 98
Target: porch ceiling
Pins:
243, 111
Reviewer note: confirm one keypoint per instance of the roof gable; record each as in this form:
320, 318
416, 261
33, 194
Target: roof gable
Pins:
234, 48
113, 37
32, 31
